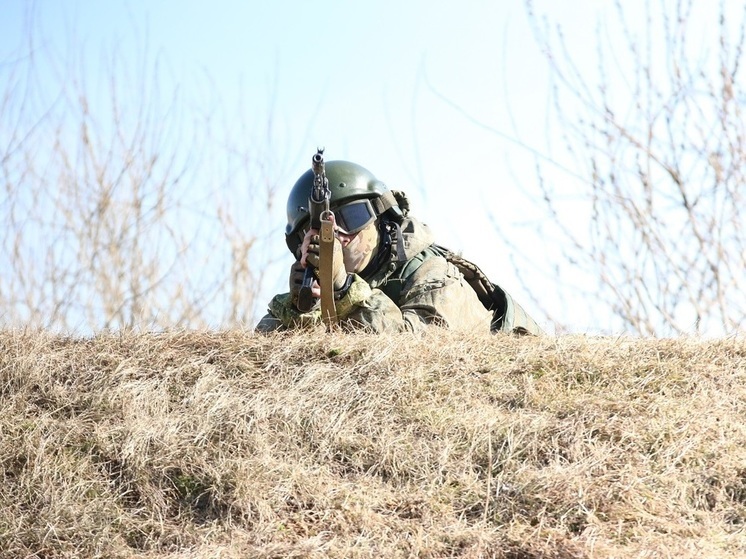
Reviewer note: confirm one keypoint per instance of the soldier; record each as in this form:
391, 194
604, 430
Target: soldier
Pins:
388, 273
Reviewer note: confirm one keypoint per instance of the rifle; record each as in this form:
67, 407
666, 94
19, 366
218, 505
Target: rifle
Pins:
320, 214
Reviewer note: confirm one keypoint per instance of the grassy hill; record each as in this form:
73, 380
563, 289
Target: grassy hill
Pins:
235, 445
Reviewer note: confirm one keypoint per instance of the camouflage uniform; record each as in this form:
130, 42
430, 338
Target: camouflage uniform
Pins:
419, 288
410, 284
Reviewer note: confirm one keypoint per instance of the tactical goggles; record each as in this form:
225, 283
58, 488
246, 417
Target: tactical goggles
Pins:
354, 217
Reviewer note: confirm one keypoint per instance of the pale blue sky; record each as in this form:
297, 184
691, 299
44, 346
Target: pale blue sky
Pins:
376, 82
358, 77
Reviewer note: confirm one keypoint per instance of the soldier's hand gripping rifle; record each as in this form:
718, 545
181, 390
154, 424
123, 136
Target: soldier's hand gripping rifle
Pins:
321, 220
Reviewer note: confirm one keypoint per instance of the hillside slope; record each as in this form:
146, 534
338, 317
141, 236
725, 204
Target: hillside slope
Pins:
234, 445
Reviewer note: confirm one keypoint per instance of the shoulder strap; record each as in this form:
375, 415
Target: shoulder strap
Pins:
395, 282
507, 315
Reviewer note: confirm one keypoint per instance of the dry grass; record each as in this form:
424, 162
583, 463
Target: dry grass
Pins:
233, 445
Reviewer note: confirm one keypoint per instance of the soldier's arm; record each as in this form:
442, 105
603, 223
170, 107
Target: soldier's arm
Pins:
435, 294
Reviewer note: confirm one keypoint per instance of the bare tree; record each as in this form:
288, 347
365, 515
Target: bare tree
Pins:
115, 198
657, 136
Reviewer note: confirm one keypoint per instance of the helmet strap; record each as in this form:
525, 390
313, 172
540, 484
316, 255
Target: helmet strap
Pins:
401, 254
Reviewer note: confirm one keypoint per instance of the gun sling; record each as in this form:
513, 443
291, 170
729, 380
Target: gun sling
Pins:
326, 269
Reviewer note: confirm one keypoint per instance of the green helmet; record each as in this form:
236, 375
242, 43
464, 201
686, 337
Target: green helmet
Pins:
347, 182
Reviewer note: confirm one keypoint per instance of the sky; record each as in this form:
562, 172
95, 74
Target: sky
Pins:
446, 101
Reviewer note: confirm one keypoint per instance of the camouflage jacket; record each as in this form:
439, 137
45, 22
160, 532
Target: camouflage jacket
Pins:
419, 285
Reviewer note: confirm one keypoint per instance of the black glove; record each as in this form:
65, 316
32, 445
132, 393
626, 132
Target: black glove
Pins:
296, 281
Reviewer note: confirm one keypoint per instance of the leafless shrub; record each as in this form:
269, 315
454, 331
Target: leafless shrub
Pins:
655, 134
122, 206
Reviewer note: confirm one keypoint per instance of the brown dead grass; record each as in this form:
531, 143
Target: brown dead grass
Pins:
234, 445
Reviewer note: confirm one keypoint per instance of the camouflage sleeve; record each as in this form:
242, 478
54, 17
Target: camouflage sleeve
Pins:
268, 323
435, 294
282, 313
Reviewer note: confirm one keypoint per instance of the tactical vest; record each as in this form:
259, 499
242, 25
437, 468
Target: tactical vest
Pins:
507, 315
